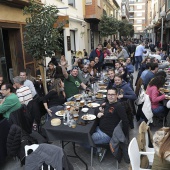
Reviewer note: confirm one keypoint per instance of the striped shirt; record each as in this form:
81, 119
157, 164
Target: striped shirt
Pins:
24, 94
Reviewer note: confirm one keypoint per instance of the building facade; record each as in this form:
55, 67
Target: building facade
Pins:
13, 58
137, 17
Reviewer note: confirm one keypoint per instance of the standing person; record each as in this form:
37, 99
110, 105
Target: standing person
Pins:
140, 49
85, 54
109, 117
72, 83
105, 43
10, 102
132, 47
63, 61
28, 83
97, 52
23, 92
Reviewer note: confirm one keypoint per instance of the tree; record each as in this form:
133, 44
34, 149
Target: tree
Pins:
125, 29
41, 38
108, 25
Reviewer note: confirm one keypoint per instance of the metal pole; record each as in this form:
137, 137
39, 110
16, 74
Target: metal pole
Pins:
162, 32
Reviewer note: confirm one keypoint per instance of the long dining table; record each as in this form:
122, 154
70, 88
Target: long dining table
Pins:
81, 134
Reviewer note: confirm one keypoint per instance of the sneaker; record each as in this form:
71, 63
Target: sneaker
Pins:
101, 154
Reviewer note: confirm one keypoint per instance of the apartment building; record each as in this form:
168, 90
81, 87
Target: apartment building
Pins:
137, 17
94, 9
125, 10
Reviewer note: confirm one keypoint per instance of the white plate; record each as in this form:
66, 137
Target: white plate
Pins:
59, 113
84, 109
88, 117
78, 96
93, 105
102, 91
70, 103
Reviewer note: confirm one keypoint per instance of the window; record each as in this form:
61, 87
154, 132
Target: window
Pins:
139, 14
139, 28
98, 3
71, 3
88, 2
131, 8
138, 21
139, 6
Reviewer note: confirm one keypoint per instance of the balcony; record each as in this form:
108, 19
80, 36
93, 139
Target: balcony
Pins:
18, 3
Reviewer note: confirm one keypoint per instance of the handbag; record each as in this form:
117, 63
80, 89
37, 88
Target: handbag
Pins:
141, 96
146, 109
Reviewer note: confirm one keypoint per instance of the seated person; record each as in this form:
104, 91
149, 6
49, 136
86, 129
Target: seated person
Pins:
97, 65
111, 75
28, 83
51, 70
23, 92
92, 69
55, 97
10, 102
161, 144
156, 96
150, 74
129, 66
117, 65
124, 90
84, 75
109, 117
72, 83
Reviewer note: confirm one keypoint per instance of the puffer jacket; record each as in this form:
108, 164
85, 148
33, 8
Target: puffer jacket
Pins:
128, 93
14, 140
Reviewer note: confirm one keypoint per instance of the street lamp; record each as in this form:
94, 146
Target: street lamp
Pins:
162, 14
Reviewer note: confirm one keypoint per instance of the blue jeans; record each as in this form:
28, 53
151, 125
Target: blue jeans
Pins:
138, 60
100, 137
160, 111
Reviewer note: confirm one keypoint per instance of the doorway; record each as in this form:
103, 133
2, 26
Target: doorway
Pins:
11, 55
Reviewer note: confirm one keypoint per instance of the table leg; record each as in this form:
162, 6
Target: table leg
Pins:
91, 156
76, 155
74, 148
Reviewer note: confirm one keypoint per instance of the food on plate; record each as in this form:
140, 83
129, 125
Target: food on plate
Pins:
61, 112
77, 96
70, 103
99, 95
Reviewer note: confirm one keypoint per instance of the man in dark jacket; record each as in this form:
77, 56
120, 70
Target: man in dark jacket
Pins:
109, 117
97, 53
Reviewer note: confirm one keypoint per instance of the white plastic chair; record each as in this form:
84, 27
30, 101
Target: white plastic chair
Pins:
33, 147
134, 155
148, 149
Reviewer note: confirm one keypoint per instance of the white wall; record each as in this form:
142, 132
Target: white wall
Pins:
75, 23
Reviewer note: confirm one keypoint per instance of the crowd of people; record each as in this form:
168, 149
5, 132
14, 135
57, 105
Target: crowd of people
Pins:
64, 84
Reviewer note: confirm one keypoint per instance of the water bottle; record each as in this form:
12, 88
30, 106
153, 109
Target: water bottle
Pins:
64, 119
68, 117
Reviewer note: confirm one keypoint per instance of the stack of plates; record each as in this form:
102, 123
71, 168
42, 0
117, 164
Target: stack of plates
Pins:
55, 122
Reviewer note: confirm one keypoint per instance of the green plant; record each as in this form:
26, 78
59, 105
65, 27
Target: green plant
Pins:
41, 38
108, 25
